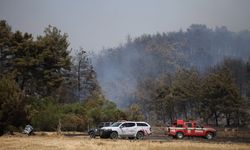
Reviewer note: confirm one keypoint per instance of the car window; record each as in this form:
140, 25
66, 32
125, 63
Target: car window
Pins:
107, 124
128, 124
179, 125
142, 124
115, 124
198, 126
189, 124
101, 125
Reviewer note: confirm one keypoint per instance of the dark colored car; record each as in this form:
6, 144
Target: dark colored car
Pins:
96, 131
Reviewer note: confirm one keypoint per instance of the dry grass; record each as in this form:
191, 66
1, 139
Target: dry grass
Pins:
75, 143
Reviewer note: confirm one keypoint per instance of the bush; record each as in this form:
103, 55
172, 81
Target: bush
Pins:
73, 122
73, 117
134, 113
46, 115
12, 105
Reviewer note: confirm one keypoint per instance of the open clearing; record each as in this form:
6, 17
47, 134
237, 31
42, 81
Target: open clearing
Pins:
82, 143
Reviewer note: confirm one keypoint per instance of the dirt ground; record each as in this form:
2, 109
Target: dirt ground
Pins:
54, 142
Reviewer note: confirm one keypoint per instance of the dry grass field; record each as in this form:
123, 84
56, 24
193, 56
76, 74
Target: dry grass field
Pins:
85, 143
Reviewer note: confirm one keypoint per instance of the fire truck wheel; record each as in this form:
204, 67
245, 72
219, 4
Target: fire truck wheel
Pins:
209, 136
179, 135
139, 135
114, 135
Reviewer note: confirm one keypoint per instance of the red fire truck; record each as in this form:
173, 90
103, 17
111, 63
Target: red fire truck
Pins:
180, 128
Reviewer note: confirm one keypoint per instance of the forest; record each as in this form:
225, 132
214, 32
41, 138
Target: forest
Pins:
201, 74
42, 84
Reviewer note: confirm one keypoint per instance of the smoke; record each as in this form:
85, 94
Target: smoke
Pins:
115, 74
120, 70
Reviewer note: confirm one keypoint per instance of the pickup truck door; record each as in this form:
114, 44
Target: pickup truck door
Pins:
199, 131
128, 129
189, 130
123, 129
132, 130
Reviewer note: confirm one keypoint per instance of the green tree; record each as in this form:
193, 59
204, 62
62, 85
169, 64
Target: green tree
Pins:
134, 113
110, 112
248, 80
220, 96
238, 69
186, 92
39, 66
93, 106
74, 118
5, 40
54, 60
23, 60
45, 114
13, 108
162, 101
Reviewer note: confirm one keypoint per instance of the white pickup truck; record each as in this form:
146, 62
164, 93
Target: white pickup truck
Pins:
130, 129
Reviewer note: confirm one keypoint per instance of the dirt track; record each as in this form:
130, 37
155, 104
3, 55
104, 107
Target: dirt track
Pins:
158, 136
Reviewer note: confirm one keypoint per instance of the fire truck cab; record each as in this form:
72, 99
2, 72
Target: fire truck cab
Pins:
180, 129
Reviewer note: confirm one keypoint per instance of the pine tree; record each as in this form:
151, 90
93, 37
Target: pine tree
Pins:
5, 38
220, 96
13, 108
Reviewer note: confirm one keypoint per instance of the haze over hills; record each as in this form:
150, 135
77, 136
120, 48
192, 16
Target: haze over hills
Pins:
121, 69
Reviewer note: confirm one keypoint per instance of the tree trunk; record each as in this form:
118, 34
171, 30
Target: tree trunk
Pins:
1, 61
228, 118
216, 116
59, 126
185, 113
238, 118
79, 80
206, 120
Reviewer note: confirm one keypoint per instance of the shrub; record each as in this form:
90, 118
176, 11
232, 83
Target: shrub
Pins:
12, 105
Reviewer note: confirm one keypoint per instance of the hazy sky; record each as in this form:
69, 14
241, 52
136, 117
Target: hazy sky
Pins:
93, 24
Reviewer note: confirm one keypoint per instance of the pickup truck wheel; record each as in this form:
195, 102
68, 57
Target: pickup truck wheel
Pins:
179, 135
92, 134
209, 135
114, 135
140, 135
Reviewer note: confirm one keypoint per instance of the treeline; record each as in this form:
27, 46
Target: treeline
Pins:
200, 73
212, 97
43, 84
